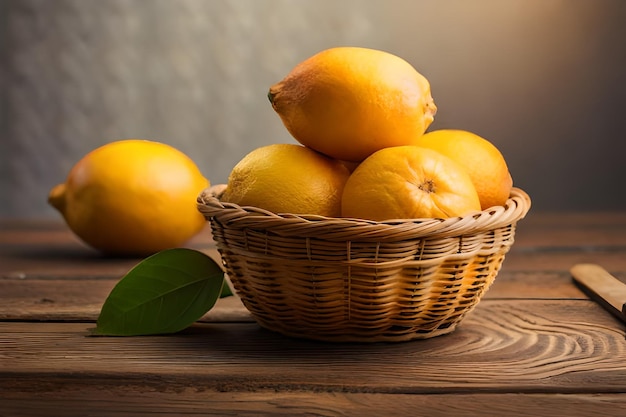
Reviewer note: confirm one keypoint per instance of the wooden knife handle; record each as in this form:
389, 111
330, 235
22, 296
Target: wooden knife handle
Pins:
602, 287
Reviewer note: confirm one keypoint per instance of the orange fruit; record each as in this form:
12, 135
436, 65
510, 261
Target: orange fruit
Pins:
349, 102
132, 197
480, 158
407, 182
288, 178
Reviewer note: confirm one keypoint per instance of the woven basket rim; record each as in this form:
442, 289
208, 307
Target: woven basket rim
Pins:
341, 229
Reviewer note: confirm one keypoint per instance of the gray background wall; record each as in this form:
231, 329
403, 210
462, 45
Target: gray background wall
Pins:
544, 80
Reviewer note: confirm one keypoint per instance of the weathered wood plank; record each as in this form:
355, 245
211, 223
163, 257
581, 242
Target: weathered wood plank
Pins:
502, 346
80, 299
544, 242
582, 219
70, 260
46, 232
538, 228
555, 259
64, 302
129, 401
74, 265
569, 230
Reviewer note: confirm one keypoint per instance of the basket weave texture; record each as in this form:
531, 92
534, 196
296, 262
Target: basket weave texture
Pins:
348, 280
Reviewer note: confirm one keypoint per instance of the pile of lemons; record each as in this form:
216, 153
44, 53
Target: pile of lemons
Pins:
360, 116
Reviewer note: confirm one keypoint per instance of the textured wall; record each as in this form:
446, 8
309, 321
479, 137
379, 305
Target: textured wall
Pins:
545, 80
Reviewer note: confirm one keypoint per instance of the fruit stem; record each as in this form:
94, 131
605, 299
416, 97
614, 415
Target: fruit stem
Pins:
428, 186
56, 198
273, 92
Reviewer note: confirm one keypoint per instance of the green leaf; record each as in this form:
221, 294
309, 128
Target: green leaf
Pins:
163, 294
226, 291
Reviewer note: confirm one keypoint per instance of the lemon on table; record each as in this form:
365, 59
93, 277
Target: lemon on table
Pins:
349, 102
132, 197
288, 178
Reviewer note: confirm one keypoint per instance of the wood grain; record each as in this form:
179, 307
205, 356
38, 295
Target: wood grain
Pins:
80, 300
125, 401
559, 259
543, 242
572, 230
69, 298
503, 346
45, 249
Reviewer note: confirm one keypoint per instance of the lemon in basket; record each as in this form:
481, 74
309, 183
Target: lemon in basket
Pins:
132, 197
407, 182
288, 178
349, 102
479, 157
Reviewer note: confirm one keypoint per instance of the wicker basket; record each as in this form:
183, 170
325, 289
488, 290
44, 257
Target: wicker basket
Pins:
360, 281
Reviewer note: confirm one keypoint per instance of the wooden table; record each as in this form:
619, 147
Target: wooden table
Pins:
534, 346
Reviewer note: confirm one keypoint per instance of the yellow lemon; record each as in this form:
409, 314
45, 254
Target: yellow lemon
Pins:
480, 158
288, 178
349, 102
132, 197
407, 182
